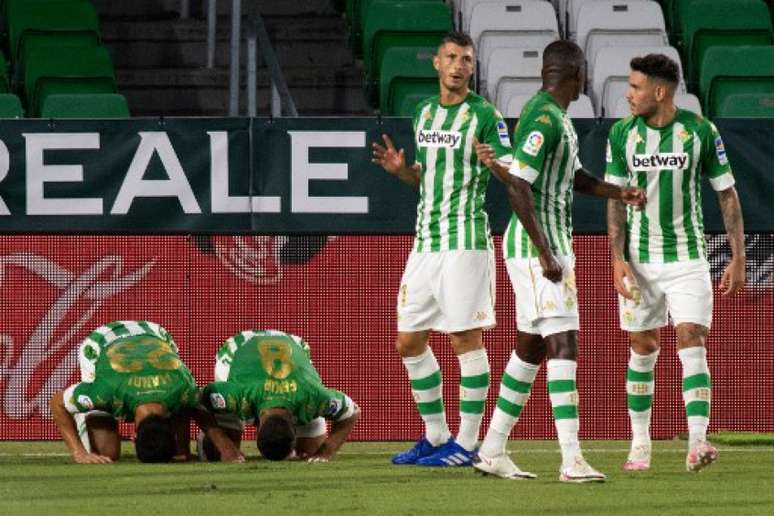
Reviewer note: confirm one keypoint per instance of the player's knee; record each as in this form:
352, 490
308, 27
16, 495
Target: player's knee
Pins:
409, 346
644, 342
155, 440
690, 335
276, 437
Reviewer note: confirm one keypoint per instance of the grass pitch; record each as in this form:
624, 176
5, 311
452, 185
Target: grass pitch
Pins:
38, 478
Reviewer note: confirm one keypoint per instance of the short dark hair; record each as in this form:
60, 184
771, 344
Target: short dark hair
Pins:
563, 52
458, 38
155, 441
657, 66
276, 437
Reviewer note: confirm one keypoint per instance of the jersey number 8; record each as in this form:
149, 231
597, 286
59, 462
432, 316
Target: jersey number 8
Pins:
276, 357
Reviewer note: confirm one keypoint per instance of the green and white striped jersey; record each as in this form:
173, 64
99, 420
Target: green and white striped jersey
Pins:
546, 155
668, 163
453, 183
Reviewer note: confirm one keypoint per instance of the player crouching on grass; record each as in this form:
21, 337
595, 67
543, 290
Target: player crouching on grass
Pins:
267, 378
131, 370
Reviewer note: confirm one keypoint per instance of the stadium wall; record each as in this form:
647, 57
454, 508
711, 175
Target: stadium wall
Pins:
99, 225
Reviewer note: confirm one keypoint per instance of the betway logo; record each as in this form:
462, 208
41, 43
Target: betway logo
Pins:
664, 160
435, 138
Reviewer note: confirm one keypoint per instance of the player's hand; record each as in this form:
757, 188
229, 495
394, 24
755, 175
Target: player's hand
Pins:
232, 457
552, 269
734, 277
318, 459
623, 279
84, 457
485, 153
634, 197
387, 157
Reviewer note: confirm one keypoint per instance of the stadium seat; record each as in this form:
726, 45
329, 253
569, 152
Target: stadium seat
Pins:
606, 23
59, 70
406, 71
747, 105
3, 75
389, 24
686, 101
735, 70
464, 10
572, 9
10, 106
581, 108
511, 24
708, 23
356, 16
98, 105
609, 77
513, 71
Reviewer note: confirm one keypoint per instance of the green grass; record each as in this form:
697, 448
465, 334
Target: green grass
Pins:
38, 478
743, 438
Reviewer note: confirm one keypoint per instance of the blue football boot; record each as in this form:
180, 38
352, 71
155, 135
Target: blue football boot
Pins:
422, 448
450, 454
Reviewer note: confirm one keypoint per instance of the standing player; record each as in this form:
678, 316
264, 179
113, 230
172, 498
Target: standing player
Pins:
448, 282
267, 378
659, 261
130, 370
540, 262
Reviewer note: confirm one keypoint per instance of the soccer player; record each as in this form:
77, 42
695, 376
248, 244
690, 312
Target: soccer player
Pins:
658, 256
540, 262
131, 370
267, 378
448, 282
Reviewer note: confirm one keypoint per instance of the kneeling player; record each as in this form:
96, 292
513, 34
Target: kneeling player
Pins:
131, 370
267, 378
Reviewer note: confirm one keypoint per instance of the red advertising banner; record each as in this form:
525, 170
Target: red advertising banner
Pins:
339, 294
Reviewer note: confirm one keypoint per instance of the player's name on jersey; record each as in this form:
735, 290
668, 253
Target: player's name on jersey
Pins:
280, 386
148, 381
437, 138
659, 161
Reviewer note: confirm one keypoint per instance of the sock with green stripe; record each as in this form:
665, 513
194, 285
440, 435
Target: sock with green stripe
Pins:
696, 392
564, 404
514, 391
426, 386
474, 386
639, 395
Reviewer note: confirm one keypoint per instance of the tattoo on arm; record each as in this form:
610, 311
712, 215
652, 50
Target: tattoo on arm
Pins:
732, 220
616, 228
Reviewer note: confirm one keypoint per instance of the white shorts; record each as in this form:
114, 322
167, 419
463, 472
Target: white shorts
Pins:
680, 290
447, 291
542, 306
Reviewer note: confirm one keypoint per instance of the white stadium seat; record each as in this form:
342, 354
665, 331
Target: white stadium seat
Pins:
580, 108
513, 71
465, 9
682, 100
569, 16
609, 76
607, 23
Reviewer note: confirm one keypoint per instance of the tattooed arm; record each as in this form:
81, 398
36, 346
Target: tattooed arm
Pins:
734, 276
616, 234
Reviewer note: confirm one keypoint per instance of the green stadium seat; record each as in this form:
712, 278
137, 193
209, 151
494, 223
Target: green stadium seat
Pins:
3, 75
408, 102
405, 72
10, 106
709, 23
97, 105
747, 105
59, 70
735, 70
73, 20
389, 24
356, 15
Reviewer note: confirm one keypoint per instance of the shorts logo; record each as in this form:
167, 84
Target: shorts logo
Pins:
533, 143
720, 150
438, 139
480, 316
217, 401
502, 132
659, 161
85, 401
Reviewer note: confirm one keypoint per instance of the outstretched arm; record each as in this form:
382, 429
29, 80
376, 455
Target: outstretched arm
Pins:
587, 183
66, 424
734, 276
394, 162
486, 155
229, 452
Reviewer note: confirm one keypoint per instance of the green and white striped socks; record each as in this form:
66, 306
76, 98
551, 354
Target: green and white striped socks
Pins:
564, 404
696, 392
639, 395
426, 386
514, 392
474, 386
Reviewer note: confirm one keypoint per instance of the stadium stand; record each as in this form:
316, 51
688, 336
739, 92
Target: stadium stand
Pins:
686, 101
10, 106
581, 108
746, 105
735, 70
407, 73
572, 9
97, 105
513, 71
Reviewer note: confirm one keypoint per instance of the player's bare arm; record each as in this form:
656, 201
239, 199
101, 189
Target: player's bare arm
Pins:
520, 198
734, 276
66, 425
623, 278
339, 433
229, 452
486, 155
586, 183
394, 162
